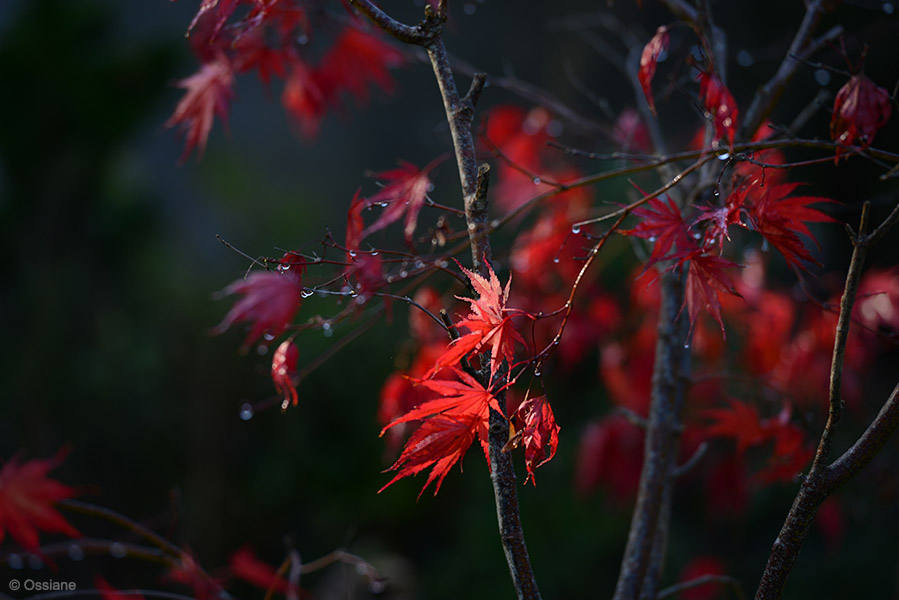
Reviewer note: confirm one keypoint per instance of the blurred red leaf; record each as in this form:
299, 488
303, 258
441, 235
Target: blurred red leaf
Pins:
208, 93
860, 109
270, 300
245, 566
648, 60
705, 280
284, 371
26, 501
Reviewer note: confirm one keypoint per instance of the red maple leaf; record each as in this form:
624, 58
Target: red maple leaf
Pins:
450, 424
780, 218
705, 280
284, 371
208, 93
245, 566
740, 421
404, 192
539, 433
220, 10
661, 223
860, 109
648, 60
26, 501
354, 223
489, 323
303, 98
356, 61
270, 300
719, 105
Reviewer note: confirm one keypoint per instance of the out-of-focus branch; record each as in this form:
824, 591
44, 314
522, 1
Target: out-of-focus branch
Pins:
767, 96
822, 480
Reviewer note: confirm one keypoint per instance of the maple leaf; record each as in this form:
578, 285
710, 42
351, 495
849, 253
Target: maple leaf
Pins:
740, 421
108, 592
354, 223
270, 300
284, 371
449, 426
630, 132
860, 109
303, 98
648, 60
404, 192
663, 225
780, 217
208, 93
245, 566
357, 60
219, 9
705, 280
539, 433
719, 105
26, 501
488, 322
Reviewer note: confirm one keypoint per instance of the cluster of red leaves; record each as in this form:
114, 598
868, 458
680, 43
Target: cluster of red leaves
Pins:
740, 421
719, 104
450, 422
265, 40
27, 496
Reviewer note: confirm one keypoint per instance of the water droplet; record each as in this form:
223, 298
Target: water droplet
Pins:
15, 562
575, 229
117, 550
376, 587
374, 253
419, 264
326, 329
724, 156
261, 349
745, 59
764, 245
361, 299
697, 235
687, 346
284, 267
35, 562
442, 264
76, 552
383, 204
306, 293
246, 411
302, 39
652, 239
822, 76
717, 192
352, 253
537, 181
556, 260
430, 187
268, 337
888, 8
537, 373
404, 274
389, 279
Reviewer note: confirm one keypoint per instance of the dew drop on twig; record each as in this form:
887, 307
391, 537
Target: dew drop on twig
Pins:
246, 411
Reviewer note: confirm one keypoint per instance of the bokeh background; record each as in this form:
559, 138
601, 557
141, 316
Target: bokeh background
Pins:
110, 263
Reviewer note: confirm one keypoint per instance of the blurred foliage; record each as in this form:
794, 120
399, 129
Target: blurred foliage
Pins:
110, 264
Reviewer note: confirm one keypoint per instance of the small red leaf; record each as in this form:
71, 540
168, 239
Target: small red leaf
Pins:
284, 371
303, 98
860, 109
208, 93
270, 300
705, 281
404, 192
648, 60
245, 566
26, 501
539, 432
661, 223
719, 105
